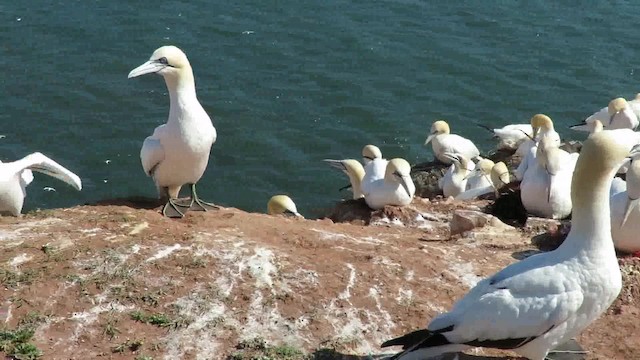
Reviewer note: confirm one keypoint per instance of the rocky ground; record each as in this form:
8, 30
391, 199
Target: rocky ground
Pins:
118, 281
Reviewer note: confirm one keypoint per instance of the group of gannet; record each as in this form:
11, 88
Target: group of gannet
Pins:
535, 305
531, 306
379, 181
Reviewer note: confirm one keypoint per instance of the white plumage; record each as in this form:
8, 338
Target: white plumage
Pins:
619, 114
177, 153
536, 304
442, 141
387, 183
15, 176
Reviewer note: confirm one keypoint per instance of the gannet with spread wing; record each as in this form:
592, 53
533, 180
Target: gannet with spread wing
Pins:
15, 176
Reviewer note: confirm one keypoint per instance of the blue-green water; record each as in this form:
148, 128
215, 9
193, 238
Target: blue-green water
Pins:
289, 83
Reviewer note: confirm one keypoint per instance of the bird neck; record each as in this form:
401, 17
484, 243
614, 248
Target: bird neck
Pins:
356, 185
590, 219
182, 88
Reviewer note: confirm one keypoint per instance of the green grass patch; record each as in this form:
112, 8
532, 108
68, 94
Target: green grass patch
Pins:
259, 349
160, 320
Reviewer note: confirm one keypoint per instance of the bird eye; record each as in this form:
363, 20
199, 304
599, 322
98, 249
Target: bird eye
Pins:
163, 61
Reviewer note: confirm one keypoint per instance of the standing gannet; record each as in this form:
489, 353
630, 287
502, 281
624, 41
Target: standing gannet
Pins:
536, 304
445, 142
545, 188
354, 170
480, 177
393, 187
619, 114
625, 213
369, 153
282, 204
454, 180
178, 152
15, 176
542, 128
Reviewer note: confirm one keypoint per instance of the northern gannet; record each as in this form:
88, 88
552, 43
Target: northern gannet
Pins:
542, 128
619, 114
178, 152
536, 304
454, 180
625, 212
480, 177
499, 176
369, 153
442, 141
354, 170
282, 204
511, 136
393, 187
15, 176
545, 188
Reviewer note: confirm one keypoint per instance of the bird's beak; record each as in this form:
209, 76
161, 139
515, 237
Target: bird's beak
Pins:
470, 174
146, 68
536, 130
345, 187
429, 138
631, 204
291, 213
612, 116
405, 185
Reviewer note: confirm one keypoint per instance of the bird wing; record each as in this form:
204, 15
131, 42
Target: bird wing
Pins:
457, 144
152, 152
521, 302
42, 164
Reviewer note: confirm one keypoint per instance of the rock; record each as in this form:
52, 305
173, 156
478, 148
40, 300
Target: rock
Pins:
467, 220
426, 176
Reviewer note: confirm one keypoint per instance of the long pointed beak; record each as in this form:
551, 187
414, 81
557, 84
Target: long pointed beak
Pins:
470, 174
536, 130
612, 116
146, 68
405, 185
429, 138
336, 164
631, 204
345, 187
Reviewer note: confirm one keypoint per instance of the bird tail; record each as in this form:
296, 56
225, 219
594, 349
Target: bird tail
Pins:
422, 344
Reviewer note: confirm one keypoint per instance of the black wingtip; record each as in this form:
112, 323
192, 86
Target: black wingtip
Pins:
409, 339
485, 127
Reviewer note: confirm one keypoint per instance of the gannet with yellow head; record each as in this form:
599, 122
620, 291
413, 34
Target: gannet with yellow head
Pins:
178, 152
369, 153
16, 175
534, 305
395, 187
442, 141
454, 180
282, 204
618, 114
354, 170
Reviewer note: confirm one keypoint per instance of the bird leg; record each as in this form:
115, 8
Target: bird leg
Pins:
199, 205
174, 210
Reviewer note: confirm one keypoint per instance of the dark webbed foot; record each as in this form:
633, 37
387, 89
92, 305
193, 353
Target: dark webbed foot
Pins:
173, 209
199, 205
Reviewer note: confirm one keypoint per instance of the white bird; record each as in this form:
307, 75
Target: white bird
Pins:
536, 304
442, 141
15, 176
454, 180
282, 204
393, 187
545, 188
511, 136
619, 114
354, 170
178, 152
625, 212
369, 153
542, 128
617, 186
499, 177
480, 177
